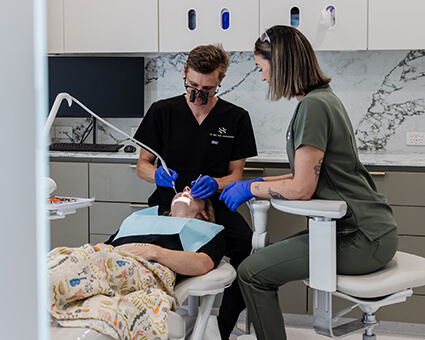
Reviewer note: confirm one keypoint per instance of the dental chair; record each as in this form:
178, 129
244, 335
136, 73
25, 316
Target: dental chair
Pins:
390, 285
186, 323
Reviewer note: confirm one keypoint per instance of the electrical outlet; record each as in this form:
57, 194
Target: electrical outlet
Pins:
64, 132
415, 138
133, 131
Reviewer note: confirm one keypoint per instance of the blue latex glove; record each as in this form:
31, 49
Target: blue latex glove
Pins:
237, 193
163, 179
205, 187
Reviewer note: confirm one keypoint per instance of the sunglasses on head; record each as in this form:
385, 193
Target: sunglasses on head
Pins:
265, 37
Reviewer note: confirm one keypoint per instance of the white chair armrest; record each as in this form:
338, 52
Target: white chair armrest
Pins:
202, 288
259, 210
313, 208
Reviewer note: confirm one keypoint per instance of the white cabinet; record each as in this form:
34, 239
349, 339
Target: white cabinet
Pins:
399, 25
342, 28
139, 26
185, 24
110, 26
118, 183
55, 42
72, 181
107, 217
119, 193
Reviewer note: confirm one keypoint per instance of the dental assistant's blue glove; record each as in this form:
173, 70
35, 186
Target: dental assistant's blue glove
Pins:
237, 193
205, 187
163, 179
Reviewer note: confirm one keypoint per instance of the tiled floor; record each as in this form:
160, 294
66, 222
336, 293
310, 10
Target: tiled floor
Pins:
296, 333
299, 327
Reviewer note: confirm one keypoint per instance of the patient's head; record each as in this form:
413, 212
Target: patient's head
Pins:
184, 205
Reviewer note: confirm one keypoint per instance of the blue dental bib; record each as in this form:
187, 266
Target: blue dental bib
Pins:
193, 233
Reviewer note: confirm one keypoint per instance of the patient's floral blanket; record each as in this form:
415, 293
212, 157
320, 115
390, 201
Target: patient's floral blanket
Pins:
112, 291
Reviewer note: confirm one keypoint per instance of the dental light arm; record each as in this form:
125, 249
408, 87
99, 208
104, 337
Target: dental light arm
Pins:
55, 108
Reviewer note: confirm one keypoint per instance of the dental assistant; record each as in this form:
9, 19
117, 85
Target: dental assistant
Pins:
199, 133
322, 153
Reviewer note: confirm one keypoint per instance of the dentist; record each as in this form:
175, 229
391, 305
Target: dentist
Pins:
322, 153
199, 133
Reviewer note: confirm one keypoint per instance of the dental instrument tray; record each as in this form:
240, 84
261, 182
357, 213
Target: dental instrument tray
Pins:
85, 147
59, 206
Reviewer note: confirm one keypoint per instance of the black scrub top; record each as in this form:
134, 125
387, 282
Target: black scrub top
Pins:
190, 149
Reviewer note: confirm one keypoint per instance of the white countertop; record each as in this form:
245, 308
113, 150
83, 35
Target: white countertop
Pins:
266, 156
367, 158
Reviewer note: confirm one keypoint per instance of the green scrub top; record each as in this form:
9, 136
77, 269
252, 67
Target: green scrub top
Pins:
320, 120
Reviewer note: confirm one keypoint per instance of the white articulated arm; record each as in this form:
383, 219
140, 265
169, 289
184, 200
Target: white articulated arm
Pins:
259, 210
66, 96
322, 237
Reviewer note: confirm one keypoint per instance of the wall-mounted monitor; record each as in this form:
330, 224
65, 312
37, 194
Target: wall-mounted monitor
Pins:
109, 86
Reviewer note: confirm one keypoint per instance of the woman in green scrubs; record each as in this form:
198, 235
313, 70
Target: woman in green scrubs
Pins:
322, 153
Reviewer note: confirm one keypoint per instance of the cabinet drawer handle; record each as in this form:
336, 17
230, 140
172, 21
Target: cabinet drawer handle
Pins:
138, 205
377, 173
191, 19
225, 19
133, 166
253, 169
295, 17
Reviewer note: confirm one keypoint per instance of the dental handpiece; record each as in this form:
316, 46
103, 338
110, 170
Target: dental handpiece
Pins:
174, 187
168, 172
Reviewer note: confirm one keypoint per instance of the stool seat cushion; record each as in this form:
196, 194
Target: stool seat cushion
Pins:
402, 272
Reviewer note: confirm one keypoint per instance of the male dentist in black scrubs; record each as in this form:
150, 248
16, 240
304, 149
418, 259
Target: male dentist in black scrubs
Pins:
197, 134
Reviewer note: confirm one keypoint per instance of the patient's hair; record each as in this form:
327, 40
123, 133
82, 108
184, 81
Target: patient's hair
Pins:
206, 59
209, 209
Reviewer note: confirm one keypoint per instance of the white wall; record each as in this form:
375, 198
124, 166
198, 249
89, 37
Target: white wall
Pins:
23, 314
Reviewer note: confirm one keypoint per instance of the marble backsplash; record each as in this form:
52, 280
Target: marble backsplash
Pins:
383, 91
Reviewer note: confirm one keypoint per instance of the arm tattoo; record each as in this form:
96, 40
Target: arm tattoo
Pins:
257, 186
317, 168
275, 194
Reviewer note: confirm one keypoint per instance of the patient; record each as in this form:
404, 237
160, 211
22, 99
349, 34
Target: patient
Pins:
170, 251
125, 287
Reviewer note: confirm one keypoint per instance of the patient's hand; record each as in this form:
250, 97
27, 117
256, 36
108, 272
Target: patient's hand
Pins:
104, 246
148, 252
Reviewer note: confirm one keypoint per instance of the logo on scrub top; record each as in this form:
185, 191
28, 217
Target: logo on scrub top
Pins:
222, 133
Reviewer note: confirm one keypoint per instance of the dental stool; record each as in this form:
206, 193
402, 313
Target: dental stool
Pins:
390, 285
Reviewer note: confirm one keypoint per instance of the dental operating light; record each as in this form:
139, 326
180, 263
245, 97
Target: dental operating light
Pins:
55, 108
